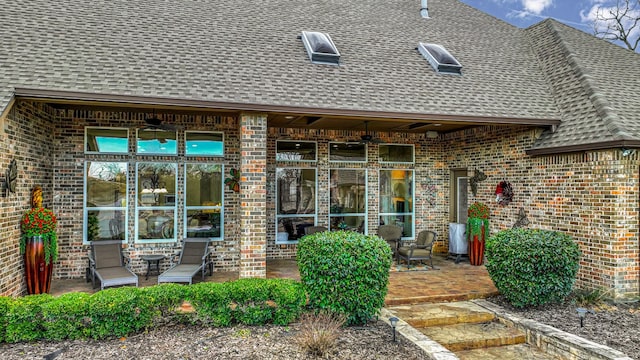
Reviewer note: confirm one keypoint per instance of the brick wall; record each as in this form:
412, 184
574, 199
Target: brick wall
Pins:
27, 138
593, 196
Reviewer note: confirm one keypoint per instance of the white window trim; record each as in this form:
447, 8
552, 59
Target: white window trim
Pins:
279, 216
86, 209
366, 199
138, 207
221, 208
203, 132
413, 204
86, 151
366, 153
302, 141
413, 154
138, 153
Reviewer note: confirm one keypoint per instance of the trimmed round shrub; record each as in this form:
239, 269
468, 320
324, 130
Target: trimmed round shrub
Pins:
532, 267
345, 272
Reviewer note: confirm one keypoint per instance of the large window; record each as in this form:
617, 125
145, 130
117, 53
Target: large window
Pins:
203, 201
287, 150
156, 202
396, 200
106, 140
159, 142
105, 207
348, 199
395, 153
296, 202
347, 152
204, 143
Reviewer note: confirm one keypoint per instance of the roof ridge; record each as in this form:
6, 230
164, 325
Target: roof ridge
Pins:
600, 103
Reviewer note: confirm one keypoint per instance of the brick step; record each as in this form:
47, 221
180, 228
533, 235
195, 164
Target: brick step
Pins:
473, 336
520, 352
425, 315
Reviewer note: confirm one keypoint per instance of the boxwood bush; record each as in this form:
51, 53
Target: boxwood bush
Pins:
118, 312
345, 272
532, 267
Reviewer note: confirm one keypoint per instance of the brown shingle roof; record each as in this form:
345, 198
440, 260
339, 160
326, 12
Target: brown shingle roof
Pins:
247, 52
595, 84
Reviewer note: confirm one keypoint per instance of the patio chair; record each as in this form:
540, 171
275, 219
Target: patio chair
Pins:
109, 265
391, 234
314, 229
421, 250
192, 258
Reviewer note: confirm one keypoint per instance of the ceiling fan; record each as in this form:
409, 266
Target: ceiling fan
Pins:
367, 138
155, 123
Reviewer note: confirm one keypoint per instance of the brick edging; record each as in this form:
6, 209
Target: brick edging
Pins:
551, 340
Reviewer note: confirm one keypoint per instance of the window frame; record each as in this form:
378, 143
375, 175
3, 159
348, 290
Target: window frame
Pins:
186, 208
366, 199
284, 216
87, 151
413, 154
186, 144
139, 208
366, 153
315, 153
86, 209
139, 153
413, 200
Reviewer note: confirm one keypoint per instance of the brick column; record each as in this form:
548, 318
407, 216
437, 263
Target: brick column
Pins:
253, 195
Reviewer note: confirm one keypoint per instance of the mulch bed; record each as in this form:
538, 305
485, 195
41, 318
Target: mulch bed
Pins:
616, 325
373, 341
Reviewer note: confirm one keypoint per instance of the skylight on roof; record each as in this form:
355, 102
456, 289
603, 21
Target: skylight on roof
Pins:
320, 48
440, 59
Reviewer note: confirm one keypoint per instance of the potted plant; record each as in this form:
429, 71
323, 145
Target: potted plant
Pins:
39, 244
477, 231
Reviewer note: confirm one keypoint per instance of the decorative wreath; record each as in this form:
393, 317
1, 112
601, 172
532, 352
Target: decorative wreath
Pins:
504, 193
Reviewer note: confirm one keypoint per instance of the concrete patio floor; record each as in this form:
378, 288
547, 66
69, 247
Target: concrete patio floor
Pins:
451, 282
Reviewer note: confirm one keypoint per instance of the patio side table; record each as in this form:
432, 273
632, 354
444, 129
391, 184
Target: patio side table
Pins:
153, 262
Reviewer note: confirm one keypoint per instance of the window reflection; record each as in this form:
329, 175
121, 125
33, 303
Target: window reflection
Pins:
396, 199
203, 194
347, 203
296, 197
105, 201
156, 207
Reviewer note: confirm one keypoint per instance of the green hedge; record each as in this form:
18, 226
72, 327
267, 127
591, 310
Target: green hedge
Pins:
532, 267
123, 311
345, 272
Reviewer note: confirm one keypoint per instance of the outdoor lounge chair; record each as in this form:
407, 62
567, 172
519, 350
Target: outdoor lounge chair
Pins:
193, 257
391, 234
107, 263
421, 250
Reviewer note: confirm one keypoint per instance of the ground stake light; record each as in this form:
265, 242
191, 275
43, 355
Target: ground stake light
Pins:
394, 321
582, 314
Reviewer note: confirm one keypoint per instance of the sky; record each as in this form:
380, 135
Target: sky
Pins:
524, 13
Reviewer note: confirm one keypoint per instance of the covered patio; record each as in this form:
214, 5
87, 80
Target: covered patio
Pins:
451, 282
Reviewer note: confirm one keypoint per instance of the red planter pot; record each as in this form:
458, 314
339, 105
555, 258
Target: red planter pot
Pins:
476, 247
37, 272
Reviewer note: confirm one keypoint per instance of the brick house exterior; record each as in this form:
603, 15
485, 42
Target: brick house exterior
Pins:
537, 108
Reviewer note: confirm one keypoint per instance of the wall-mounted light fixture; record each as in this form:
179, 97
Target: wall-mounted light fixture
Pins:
11, 177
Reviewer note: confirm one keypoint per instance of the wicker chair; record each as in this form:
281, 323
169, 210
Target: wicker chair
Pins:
391, 234
192, 258
421, 250
108, 264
